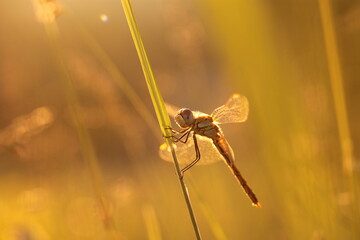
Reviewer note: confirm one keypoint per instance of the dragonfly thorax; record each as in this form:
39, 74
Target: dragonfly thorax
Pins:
184, 118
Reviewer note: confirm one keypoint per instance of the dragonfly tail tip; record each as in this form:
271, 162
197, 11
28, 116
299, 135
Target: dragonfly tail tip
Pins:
258, 205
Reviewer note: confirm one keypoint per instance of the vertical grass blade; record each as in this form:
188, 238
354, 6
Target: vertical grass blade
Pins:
337, 88
115, 73
87, 148
337, 85
209, 214
158, 103
151, 222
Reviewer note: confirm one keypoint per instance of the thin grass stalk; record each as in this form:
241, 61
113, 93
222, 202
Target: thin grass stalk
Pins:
158, 102
215, 225
337, 87
115, 73
336, 78
84, 138
151, 222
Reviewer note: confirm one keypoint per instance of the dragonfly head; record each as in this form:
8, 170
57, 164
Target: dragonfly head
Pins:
184, 118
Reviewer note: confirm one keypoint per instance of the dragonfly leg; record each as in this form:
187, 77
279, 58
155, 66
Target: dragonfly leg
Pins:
185, 132
177, 132
197, 158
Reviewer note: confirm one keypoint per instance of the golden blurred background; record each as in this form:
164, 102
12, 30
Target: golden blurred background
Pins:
79, 138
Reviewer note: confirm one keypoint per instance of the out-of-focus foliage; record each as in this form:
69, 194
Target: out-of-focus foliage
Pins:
289, 149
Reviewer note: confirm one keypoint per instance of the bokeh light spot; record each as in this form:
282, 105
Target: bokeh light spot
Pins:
104, 17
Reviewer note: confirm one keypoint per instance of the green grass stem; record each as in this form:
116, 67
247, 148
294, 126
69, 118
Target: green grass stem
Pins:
158, 103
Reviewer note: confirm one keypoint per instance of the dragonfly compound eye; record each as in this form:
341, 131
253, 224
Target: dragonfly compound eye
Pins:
184, 118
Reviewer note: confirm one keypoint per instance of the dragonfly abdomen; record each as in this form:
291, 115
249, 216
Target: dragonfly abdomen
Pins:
224, 148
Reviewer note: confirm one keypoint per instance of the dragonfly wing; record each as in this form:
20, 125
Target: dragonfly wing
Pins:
198, 114
185, 153
235, 110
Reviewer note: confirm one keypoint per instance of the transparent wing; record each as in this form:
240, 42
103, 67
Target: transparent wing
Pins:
198, 114
186, 152
235, 110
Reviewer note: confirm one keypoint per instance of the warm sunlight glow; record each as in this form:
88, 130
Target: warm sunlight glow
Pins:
82, 132
104, 18
47, 10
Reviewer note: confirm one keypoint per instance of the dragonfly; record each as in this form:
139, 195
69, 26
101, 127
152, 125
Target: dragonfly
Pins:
200, 137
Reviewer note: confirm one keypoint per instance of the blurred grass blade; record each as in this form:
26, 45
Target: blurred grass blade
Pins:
87, 148
112, 69
158, 103
337, 85
338, 92
208, 212
151, 222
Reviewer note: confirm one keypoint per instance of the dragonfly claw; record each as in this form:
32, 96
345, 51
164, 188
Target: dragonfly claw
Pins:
181, 175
